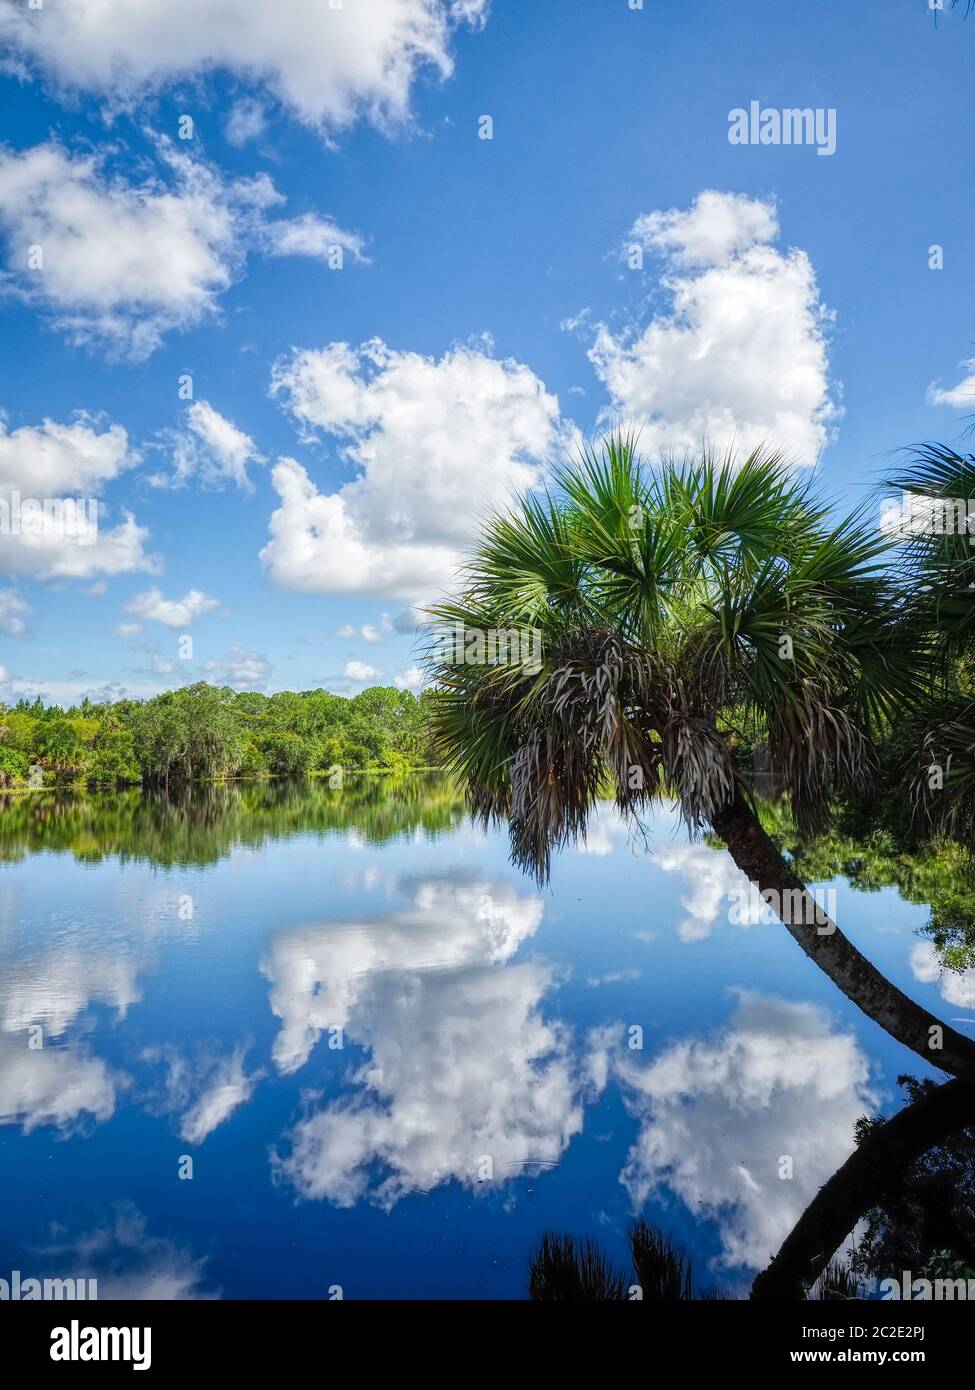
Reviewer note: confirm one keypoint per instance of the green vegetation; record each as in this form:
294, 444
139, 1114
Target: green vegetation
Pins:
205, 733
923, 1214
196, 824
672, 600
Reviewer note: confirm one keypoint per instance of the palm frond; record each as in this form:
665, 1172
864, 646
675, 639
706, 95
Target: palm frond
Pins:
662, 596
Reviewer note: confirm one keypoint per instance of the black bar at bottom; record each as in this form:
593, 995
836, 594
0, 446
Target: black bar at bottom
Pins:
407, 1336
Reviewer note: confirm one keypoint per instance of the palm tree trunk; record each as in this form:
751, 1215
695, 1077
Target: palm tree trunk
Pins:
821, 939
852, 1190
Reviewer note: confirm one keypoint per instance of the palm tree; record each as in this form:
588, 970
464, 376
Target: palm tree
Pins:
665, 599
937, 563
909, 1179
566, 1270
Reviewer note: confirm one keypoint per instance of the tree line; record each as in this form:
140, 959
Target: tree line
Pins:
205, 732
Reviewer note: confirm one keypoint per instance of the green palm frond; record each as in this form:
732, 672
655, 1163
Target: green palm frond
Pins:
662, 597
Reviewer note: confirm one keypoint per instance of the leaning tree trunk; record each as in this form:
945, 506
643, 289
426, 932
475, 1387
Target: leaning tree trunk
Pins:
821, 939
853, 1189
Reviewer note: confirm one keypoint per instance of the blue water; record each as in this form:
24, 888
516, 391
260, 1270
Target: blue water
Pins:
393, 1066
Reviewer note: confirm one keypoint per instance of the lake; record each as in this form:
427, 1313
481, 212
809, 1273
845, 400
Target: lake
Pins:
282, 1041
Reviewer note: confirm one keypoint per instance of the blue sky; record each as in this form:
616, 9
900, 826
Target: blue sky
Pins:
783, 294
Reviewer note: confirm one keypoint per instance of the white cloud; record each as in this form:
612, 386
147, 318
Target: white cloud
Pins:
740, 355
174, 613
51, 462
247, 121
244, 670
410, 679
717, 1116
211, 449
421, 991
119, 550
712, 876
715, 227
319, 974
433, 443
360, 671
227, 1088
956, 987
123, 263
409, 622
316, 237
206, 1090
13, 612
962, 396
72, 692
369, 632
126, 263
54, 460
53, 987
52, 1086
129, 1263
328, 65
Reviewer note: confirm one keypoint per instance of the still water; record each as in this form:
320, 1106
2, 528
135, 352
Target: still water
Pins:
281, 1041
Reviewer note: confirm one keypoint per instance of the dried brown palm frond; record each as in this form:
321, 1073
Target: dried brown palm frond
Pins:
943, 788
818, 749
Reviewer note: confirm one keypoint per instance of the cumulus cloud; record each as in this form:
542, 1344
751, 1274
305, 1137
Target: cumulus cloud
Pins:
433, 443
49, 554
712, 877
369, 632
408, 623
128, 1262
53, 1086
247, 121
52, 464
360, 671
956, 987
421, 991
433, 1104
72, 692
962, 396
717, 1116
410, 679
175, 613
210, 449
715, 227
717, 890
330, 66
53, 460
13, 613
739, 355
52, 988
318, 973
244, 670
122, 263
318, 238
